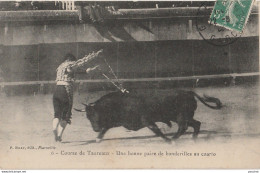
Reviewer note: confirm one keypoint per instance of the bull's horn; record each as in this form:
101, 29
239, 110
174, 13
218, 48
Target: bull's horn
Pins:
80, 110
84, 104
91, 104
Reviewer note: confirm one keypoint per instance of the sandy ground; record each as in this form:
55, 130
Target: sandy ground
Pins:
229, 137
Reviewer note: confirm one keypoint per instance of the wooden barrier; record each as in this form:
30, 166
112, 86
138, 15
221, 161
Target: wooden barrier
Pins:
232, 75
69, 14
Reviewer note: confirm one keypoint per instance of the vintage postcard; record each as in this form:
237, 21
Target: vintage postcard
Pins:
129, 84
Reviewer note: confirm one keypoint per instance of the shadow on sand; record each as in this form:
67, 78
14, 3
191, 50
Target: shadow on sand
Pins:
204, 134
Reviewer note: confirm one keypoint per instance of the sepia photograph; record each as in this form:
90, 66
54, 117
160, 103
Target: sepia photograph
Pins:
129, 85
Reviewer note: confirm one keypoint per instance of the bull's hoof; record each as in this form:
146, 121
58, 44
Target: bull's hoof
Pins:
175, 137
167, 140
195, 137
98, 140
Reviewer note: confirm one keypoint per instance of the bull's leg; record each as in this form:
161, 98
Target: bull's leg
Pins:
169, 124
181, 130
101, 135
158, 132
182, 125
196, 126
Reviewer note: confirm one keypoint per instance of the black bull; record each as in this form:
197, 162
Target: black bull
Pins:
134, 112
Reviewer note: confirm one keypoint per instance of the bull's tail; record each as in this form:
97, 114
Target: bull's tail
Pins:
206, 99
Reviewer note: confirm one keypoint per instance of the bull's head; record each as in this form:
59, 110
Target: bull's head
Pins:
92, 115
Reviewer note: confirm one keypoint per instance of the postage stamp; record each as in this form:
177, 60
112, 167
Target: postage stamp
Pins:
231, 14
212, 33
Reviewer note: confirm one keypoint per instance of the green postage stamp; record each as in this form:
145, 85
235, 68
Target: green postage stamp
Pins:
231, 14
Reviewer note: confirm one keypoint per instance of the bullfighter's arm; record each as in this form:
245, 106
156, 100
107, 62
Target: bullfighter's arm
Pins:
83, 61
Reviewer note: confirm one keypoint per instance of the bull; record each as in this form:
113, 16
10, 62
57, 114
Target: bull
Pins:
134, 111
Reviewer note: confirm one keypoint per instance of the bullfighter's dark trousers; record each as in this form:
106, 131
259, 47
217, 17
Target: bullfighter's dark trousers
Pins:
63, 101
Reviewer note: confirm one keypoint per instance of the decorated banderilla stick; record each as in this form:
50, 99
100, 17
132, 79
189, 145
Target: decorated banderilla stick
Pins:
87, 58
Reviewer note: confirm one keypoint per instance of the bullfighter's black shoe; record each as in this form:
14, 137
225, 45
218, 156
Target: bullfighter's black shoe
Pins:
59, 139
69, 121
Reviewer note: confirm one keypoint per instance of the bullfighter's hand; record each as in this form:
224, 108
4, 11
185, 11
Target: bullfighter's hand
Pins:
93, 68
